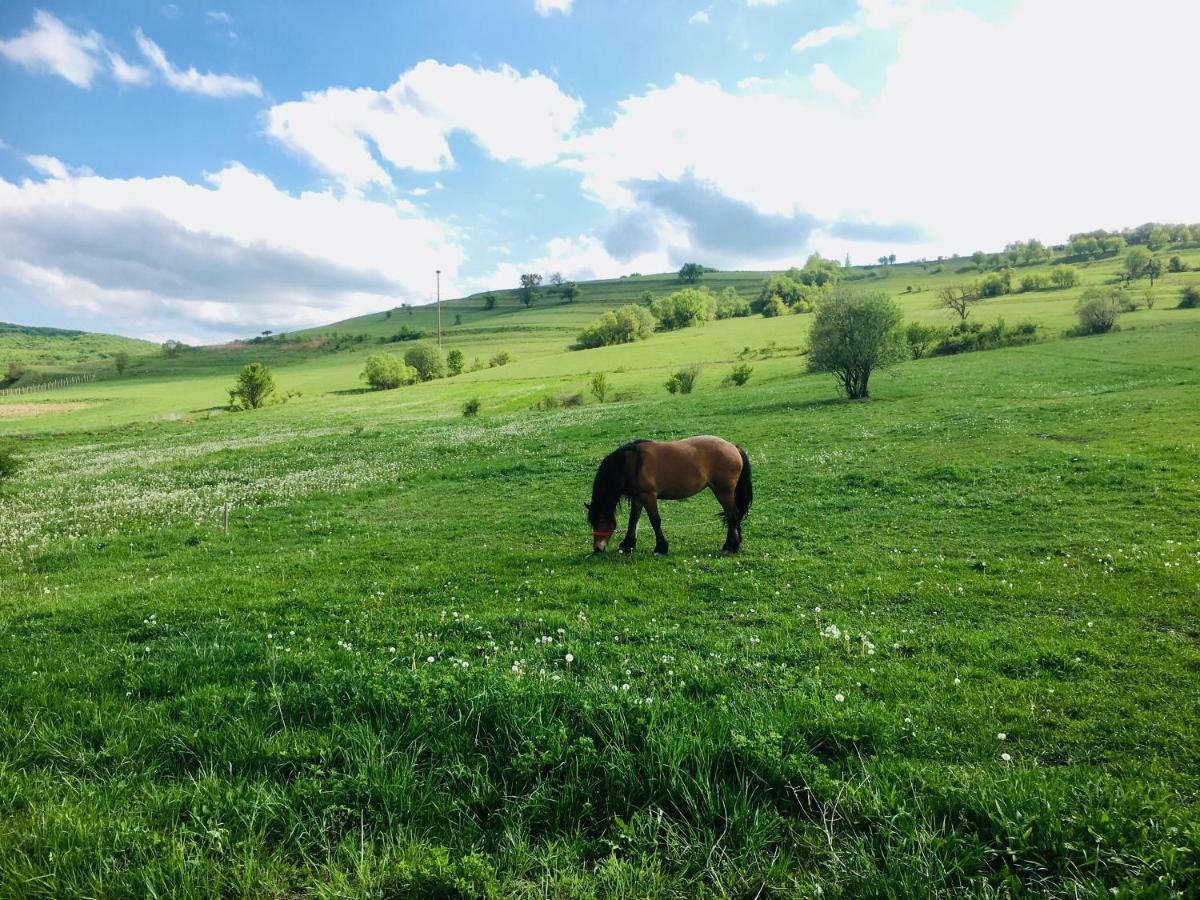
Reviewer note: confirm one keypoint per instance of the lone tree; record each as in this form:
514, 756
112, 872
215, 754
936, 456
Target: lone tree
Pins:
853, 335
455, 362
529, 284
254, 388
489, 301
1154, 269
172, 348
691, 273
121, 361
426, 359
1137, 260
556, 279
570, 291
383, 372
957, 299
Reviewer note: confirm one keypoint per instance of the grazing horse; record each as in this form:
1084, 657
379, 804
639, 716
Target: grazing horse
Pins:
648, 471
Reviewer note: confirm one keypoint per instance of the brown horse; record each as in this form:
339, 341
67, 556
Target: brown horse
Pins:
648, 471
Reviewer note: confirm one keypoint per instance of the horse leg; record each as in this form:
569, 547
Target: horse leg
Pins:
660, 542
733, 521
630, 541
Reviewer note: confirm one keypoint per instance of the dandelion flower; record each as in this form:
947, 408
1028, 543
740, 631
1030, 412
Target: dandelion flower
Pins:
958, 681
429, 659
1007, 757
1001, 736
569, 658
840, 698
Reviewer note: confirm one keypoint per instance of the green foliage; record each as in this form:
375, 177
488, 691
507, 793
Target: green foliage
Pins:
489, 301
994, 284
1063, 277
1189, 298
921, 338
472, 407
789, 293
426, 358
529, 285
617, 326
1097, 309
404, 334
383, 372
739, 374
819, 272
10, 463
1177, 264
600, 386
121, 361
172, 348
854, 335
455, 362
966, 337
500, 358
683, 380
1137, 261
684, 308
255, 388
691, 273
731, 305
773, 306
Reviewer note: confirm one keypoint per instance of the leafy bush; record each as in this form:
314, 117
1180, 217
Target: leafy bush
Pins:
489, 301
1189, 298
730, 305
684, 308
1177, 264
255, 388
967, 337
617, 326
1098, 309
426, 358
383, 372
995, 284
503, 358
554, 401
853, 335
471, 407
10, 464
455, 362
1035, 281
790, 292
682, 381
1064, 277
690, 273
404, 334
600, 386
922, 337
774, 306
739, 375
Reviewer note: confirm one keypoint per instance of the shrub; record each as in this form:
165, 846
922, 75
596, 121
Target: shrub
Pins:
739, 375
682, 381
600, 386
791, 292
455, 362
773, 306
10, 464
1098, 309
471, 407
995, 284
404, 334
617, 326
489, 301
730, 305
426, 358
684, 308
853, 335
255, 388
1177, 264
503, 358
965, 338
121, 361
1035, 281
1189, 298
1064, 277
921, 337
383, 372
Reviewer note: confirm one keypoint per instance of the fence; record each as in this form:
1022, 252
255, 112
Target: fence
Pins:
47, 385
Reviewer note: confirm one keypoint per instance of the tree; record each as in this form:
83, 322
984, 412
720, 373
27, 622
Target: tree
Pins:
172, 348
556, 279
957, 299
121, 361
1064, 277
455, 362
267, 333
1158, 238
617, 326
684, 308
978, 258
570, 291
1177, 264
1136, 261
254, 388
891, 259
1154, 269
489, 301
383, 372
730, 305
691, 273
529, 284
426, 359
853, 335
600, 386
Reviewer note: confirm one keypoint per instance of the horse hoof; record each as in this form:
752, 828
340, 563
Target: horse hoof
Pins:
625, 549
658, 552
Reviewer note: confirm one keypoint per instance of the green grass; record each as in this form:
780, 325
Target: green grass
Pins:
1006, 542
55, 350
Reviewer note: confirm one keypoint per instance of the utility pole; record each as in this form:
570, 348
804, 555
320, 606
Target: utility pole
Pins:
439, 306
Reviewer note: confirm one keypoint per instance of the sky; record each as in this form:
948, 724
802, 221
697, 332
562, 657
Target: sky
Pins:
203, 171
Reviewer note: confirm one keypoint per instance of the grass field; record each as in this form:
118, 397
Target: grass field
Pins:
958, 654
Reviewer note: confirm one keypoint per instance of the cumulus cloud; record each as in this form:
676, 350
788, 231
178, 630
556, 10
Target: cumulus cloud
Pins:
212, 259
193, 81
819, 37
545, 7
48, 45
346, 132
872, 14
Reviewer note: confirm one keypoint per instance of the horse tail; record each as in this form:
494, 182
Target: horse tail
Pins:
743, 492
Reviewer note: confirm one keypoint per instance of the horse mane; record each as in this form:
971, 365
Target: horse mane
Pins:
609, 488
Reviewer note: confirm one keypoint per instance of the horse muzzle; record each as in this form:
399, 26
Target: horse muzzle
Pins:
600, 541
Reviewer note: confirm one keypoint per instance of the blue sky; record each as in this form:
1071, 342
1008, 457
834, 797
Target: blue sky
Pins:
209, 170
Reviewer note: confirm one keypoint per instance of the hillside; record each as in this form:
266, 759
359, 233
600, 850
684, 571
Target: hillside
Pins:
48, 352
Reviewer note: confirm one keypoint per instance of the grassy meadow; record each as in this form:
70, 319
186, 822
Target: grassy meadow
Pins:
957, 656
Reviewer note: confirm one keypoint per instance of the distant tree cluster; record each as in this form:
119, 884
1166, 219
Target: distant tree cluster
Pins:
1152, 235
617, 326
798, 290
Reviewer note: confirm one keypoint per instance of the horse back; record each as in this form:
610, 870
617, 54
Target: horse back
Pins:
673, 470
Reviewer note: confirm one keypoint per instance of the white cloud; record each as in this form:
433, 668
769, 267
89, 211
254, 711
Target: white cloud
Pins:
216, 15
47, 165
821, 36
126, 72
824, 81
193, 81
700, 17
50, 46
514, 117
217, 258
545, 7
763, 2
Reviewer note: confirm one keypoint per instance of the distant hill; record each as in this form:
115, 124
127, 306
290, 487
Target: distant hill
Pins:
31, 352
